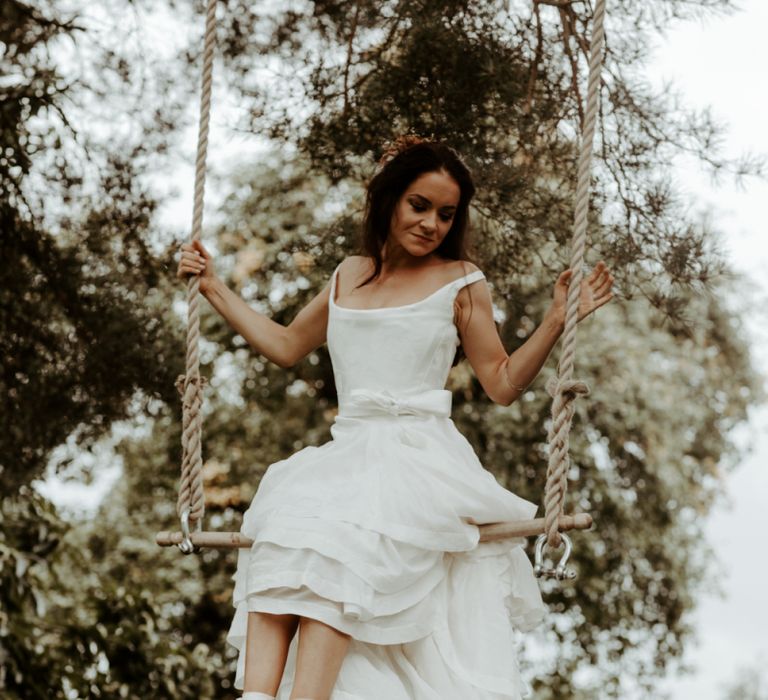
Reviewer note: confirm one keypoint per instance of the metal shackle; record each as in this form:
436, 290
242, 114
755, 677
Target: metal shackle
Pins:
559, 572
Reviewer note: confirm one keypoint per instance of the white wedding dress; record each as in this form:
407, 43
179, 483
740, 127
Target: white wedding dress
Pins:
375, 531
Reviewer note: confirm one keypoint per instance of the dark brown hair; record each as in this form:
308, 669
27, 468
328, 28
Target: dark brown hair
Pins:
402, 162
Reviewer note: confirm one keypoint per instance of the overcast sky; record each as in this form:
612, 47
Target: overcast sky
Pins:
723, 63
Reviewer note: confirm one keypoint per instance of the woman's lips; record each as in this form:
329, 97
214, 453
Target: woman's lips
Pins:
424, 238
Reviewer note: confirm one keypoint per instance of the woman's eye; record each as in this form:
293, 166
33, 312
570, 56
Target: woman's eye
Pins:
421, 207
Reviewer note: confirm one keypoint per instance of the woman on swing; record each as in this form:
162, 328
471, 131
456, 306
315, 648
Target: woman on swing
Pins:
368, 545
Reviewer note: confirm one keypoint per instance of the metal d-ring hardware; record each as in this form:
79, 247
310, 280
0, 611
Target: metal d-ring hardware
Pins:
186, 545
559, 572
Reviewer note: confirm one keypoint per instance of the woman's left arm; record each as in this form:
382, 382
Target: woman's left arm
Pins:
505, 377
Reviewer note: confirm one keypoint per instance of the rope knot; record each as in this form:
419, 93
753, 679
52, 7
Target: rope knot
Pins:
181, 385
567, 388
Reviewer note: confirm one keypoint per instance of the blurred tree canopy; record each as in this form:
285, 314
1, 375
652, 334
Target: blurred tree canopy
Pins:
75, 224
91, 335
749, 683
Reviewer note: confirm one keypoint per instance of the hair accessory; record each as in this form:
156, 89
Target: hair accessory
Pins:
397, 146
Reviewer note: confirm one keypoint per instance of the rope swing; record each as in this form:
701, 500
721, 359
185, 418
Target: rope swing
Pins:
562, 388
191, 502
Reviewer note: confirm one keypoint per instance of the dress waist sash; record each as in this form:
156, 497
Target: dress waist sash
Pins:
366, 402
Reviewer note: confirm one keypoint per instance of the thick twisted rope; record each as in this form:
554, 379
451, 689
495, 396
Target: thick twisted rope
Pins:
190, 385
563, 388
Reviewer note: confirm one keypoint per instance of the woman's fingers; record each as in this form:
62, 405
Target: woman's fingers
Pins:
604, 283
604, 287
191, 261
603, 300
600, 278
597, 276
193, 258
596, 272
200, 249
195, 249
189, 251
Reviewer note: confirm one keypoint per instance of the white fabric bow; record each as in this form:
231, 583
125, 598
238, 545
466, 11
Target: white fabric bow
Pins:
362, 402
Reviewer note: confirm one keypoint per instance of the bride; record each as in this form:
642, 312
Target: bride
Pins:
368, 545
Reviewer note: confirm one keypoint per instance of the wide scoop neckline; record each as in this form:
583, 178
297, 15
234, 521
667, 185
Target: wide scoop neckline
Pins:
402, 306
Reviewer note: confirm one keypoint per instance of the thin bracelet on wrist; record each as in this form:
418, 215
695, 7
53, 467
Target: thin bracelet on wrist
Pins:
521, 389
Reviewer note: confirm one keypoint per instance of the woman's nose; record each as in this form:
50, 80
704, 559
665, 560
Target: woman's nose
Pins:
428, 222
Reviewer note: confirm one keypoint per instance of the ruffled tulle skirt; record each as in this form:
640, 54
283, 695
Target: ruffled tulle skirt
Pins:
375, 534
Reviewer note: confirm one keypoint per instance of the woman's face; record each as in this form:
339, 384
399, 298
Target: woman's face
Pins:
424, 213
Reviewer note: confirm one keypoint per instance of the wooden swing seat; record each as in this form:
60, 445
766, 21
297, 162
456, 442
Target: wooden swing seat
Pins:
488, 533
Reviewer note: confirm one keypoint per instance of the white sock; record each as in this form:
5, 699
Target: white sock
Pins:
253, 695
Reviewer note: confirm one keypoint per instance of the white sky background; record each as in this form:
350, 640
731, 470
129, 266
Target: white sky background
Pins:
722, 63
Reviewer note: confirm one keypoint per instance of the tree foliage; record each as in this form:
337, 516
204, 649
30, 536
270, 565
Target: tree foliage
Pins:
79, 276
749, 683
66, 630
90, 334
84, 326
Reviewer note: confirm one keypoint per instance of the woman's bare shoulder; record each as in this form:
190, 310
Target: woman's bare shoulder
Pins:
467, 266
353, 269
356, 261
456, 269
466, 295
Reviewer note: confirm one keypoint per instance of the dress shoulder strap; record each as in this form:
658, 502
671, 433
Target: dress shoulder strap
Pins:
454, 287
468, 279
334, 275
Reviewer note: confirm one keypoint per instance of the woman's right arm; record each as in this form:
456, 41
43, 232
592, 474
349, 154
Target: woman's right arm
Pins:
284, 346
